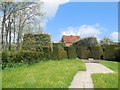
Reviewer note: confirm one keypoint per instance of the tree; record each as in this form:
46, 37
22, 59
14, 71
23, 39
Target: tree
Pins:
106, 41
16, 16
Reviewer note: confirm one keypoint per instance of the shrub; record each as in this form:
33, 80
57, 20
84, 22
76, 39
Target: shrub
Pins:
58, 52
96, 52
89, 41
47, 51
35, 42
117, 53
108, 52
83, 52
29, 56
71, 52
62, 54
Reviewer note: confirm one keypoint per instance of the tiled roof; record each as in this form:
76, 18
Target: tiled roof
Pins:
70, 39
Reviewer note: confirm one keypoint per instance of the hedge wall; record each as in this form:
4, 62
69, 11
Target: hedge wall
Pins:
58, 52
71, 52
83, 52
117, 53
108, 52
9, 59
89, 41
34, 42
96, 52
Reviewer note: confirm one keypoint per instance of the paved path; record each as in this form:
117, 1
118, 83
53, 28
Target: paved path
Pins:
83, 78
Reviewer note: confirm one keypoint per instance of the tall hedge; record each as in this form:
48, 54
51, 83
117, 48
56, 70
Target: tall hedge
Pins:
89, 41
35, 42
108, 52
83, 52
96, 52
58, 52
71, 52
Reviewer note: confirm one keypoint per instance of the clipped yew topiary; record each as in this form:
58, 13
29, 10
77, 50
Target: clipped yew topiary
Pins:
58, 52
108, 52
96, 52
83, 52
71, 52
35, 42
117, 53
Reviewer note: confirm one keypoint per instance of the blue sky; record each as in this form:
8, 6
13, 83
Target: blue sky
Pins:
83, 18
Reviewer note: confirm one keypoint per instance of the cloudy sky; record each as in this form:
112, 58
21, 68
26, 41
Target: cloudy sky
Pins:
65, 17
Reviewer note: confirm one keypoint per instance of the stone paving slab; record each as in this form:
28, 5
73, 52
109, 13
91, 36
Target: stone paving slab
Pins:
97, 68
83, 79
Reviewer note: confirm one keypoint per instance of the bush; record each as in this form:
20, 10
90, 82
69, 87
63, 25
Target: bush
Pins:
89, 41
108, 52
58, 52
96, 52
47, 51
35, 42
83, 52
29, 56
71, 52
117, 54
11, 59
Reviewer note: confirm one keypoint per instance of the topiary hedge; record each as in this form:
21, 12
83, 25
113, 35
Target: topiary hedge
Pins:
71, 52
117, 54
108, 52
83, 52
58, 52
9, 59
89, 41
96, 52
35, 42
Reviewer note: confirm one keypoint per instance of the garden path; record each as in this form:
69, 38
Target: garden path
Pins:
83, 79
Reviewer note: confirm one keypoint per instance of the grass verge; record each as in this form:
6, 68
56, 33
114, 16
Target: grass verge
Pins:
49, 74
107, 80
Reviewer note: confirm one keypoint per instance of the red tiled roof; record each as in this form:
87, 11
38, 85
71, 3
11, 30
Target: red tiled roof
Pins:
70, 39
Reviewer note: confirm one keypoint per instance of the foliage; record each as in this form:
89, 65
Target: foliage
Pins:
89, 41
108, 52
12, 59
58, 52
49, 74
106, 41
96, 52
117, 53
71, 52
83, 52
35, 42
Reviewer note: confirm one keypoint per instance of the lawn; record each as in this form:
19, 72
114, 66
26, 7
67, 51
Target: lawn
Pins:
48, 74
107, 80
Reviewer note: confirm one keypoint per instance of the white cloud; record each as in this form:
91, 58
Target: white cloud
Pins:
84, 31
51, 6
115, 36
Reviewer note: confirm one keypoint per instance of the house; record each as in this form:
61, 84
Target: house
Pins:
68, 40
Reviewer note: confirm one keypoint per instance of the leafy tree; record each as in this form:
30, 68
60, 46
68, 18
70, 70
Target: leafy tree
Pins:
106, 41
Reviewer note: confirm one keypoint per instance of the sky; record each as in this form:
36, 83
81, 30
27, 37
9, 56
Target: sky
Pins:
99, 19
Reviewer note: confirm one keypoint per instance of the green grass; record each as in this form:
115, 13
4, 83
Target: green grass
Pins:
49, 74
111, 64
107, 80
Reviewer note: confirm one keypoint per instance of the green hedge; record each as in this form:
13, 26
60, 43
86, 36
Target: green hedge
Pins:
9, 59
89, 41
96, 52
83, 52
108, 52
71, 52
117, 53
58, 52
35, 42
